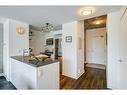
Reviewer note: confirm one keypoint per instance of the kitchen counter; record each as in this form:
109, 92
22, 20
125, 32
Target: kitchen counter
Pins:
30, 73
34, 63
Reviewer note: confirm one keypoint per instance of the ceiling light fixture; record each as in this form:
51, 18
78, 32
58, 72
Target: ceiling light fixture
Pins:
86, 11
47, 27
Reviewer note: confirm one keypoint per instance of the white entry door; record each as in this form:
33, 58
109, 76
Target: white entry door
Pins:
96, 46
123, 52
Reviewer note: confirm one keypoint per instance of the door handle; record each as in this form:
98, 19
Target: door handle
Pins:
120, 60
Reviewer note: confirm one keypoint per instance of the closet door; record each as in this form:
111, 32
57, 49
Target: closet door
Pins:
123, 51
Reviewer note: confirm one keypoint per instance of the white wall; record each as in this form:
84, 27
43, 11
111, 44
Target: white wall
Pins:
18, 42
38, 42
1, 48
80, 48
96, 46
73, 53
13, 42
6, 50
113, 29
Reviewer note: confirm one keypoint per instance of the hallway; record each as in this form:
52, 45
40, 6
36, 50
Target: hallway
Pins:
92, 79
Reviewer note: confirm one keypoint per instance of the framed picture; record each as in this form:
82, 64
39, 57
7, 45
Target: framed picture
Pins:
68, 39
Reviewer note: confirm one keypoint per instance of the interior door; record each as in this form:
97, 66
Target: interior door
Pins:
123, 52
1, 48
99, 49
96, 46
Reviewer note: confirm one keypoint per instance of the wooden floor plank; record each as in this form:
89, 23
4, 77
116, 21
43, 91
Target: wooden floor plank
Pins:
92, 79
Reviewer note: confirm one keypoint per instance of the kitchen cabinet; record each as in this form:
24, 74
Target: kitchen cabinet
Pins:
25, 76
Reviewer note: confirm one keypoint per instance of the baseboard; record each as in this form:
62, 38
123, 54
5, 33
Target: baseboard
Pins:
6, 77
109, 89
80, 74
98, 66
68, 76
1, 74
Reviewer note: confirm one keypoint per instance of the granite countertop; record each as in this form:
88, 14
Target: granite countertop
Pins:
34, 63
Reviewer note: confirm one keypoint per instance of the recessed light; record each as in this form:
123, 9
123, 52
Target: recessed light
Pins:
98, 22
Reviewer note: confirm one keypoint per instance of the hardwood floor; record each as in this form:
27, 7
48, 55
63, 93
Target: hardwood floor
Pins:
92, 79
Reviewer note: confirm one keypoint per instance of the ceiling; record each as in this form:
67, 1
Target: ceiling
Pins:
92, 22
57, 15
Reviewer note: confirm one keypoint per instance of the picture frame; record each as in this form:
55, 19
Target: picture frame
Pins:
68, 39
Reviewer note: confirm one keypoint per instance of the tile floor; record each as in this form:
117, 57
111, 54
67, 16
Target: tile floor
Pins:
5, 85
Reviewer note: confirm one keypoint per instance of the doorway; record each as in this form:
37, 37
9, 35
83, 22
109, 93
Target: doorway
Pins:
96, 46
58, 49
96, 42
1, 49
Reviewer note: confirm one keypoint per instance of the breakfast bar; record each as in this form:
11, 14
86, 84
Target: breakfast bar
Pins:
27, 73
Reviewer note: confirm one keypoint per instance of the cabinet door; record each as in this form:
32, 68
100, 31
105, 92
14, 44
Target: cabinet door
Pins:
123, 51
48, 76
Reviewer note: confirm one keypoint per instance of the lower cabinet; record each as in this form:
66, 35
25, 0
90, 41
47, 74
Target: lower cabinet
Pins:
24, 76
